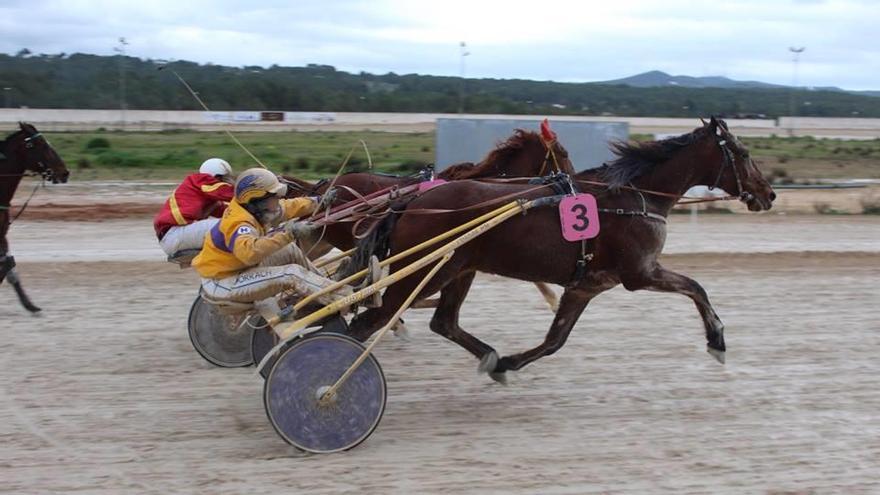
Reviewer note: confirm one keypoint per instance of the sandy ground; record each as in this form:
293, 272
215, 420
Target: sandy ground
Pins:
104, 394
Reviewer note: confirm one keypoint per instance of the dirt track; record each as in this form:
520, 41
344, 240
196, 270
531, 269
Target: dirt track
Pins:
105, 394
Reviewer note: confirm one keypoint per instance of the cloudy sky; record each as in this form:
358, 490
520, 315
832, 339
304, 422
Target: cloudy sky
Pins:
573, 41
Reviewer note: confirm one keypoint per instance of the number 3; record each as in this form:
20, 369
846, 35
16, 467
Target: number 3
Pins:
580, 212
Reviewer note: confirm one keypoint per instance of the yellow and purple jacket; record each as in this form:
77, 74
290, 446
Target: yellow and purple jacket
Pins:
239, 241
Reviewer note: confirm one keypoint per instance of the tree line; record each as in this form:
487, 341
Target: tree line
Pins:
94, 82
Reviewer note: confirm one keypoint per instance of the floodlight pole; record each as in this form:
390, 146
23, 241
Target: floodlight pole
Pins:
464, 53
122, 104
792, 109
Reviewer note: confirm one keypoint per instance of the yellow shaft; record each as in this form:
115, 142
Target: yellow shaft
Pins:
403, 307
414, 249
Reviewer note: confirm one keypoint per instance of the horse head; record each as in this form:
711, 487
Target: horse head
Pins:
737, 173
31, 150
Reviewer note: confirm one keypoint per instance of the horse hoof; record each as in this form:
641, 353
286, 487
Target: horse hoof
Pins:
402, 332
719, 355
488, 363
500, 377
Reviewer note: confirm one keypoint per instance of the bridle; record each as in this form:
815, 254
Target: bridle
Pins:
550, 155
729, 160
42, 170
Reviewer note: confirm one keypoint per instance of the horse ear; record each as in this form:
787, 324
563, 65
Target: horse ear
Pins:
713, 126
704, 122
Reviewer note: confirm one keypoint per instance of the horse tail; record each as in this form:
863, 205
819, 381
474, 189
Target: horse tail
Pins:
377, 242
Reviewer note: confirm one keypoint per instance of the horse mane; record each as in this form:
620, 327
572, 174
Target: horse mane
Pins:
457, 171
488, 166
635, 159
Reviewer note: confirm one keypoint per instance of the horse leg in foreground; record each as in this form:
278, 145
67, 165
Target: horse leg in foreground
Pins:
445, 322
19, 290
662, 280
571, 305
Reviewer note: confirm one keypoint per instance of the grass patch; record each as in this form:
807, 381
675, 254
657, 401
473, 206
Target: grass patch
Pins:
173, 152
310, 155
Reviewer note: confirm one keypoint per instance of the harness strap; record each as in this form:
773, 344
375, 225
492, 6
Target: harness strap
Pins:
646, 214
506, 197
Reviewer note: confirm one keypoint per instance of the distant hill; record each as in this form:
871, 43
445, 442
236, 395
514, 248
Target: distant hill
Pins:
656, 78
93, 82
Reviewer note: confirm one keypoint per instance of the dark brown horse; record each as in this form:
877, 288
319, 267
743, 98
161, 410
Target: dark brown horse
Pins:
24, 152
530, 247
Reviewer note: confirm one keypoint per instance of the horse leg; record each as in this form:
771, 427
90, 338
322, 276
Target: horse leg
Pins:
544, 289
571, 305
368, 322
6, 265
445, 322
19, 290
662, 280
549, 295
7, 269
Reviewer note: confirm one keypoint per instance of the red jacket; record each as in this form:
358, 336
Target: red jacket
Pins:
196, 198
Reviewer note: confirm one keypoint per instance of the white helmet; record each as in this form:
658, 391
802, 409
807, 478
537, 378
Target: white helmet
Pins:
215, 167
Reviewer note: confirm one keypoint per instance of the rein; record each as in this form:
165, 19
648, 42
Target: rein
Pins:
25, 205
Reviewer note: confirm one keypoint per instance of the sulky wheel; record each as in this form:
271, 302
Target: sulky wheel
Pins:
221, 339
297, 381
264, 339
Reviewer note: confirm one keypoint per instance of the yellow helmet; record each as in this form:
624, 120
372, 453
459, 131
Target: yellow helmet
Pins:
257, 183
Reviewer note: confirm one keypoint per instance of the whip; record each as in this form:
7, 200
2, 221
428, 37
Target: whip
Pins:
202, 103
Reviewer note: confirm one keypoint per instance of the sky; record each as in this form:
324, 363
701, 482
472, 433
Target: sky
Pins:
558, 40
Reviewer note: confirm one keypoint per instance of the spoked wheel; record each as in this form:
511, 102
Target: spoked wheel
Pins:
297, 381
264, 339
221, 339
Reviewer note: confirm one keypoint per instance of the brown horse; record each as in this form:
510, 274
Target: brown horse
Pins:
24, 152
644, 182
524, 154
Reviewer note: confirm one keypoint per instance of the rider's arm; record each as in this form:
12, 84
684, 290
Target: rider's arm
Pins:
298, 207
251, 248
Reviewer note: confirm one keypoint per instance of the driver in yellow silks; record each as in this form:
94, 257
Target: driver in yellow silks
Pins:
246, 259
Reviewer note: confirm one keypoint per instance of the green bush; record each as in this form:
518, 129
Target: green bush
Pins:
719, 210
120, 159
826, 209
97, 143
411, 166
327, 166
870, 204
